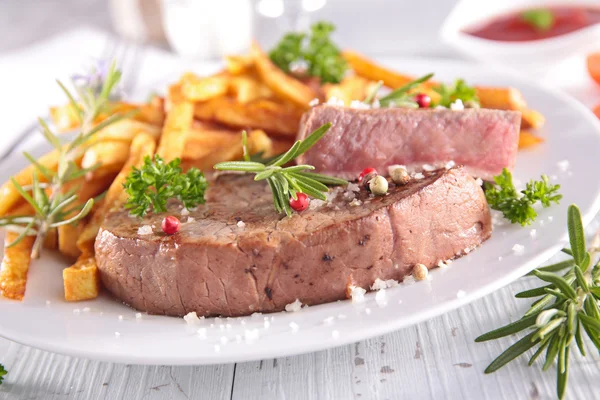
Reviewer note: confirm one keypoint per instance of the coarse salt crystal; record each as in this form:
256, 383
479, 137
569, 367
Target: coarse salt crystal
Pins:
368, 311
479, 181
241, 224
359, 105
563, 165
250, 335
267, 324
76, 311
440, 107
550, 218
86, 309
335, 334
328, 320
120, 317
418, 175
313, 102
138, 315
191, 318
357, 294
217, 348
457, 105
295, 327
378, 284
467, 250
408, 280
353, 187
293, 307
460, 294
228, 327
376, 104
144, 230
222, 327
518, 248
428, 167
380, 298
190, 219
185, 212
441, 264
117, 334
449, 164
533, 233
355, 203
334, 101
224, 340
48, 302
316, 203
201, 333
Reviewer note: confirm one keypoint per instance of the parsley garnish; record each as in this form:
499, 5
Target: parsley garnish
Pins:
540, 19
322, 56
2, 373
458, 90
518, 206
157, 182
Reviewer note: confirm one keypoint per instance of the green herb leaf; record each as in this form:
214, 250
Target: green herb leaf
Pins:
400, 96
541, 19
322, 57
511, 353
518, 207
459, 90
509, 329
3, 373
156, 182
576, 235
558, 281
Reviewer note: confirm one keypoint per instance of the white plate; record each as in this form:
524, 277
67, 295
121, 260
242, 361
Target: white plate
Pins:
572, 134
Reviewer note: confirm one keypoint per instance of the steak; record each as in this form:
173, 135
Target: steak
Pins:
484, 141
236, 255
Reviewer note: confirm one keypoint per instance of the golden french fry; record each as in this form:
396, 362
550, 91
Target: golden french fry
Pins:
82, 280
531, 119
265, 114
10, 197
500, 98
238, 64
180, 116
284, 86
195, 88
142, 145
528, 139
201, 141
124, 130
69, 234
111, 155
350, 88
64, 117
246, 89
260, 142
369, 69
15, 265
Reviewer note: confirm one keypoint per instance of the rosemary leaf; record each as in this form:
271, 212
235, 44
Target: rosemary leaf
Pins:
558, 281
520, 347
533, 292
559, 266
562, 373
552, 352
576, 235
509, 329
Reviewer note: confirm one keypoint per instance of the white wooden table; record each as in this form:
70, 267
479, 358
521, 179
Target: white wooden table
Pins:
433, 360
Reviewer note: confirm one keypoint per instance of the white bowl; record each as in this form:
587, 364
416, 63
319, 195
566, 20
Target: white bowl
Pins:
531, 56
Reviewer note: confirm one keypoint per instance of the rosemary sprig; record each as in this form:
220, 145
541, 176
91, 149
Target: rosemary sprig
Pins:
50, 201
289, 181
400, 97
566, 309
3, 372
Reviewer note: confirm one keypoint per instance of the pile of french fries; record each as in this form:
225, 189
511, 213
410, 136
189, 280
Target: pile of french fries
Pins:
199, 120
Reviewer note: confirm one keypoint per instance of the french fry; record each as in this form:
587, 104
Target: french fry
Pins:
531, 119
179, 120
10, 197
237, 65
500, 98
203, 140
69, 234
265, 114
283, 85
15, 265
142, 145
124, 130
368, 69
350, 88
82, 279
528, 139
111, 155
246, 89
195, 88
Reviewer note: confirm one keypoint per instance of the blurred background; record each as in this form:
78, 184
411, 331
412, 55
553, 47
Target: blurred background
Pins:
203, 28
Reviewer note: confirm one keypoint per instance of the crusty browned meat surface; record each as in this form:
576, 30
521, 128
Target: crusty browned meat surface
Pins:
484, 141
215, 266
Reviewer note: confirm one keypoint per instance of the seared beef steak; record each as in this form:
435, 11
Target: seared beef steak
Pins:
237, 256
484, 141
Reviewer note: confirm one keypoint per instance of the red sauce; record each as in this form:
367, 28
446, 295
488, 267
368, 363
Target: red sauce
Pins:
513, 28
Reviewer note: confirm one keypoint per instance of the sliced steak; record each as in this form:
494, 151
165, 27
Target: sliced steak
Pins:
236, 256
484, 141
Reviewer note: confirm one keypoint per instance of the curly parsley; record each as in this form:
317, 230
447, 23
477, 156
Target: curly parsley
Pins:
518, 206
157, 182
322, 57
2, 373
459, 90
